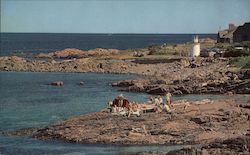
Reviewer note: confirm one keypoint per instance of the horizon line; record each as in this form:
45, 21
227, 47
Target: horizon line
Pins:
97, 33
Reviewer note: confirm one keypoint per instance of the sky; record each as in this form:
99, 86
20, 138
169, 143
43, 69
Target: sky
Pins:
122, 16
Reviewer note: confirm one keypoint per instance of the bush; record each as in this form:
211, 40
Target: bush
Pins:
241, 62
246, 44
153, 49
235, 53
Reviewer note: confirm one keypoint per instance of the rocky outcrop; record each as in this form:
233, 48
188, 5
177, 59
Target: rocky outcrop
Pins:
70, 53
211, 83
182, 76
78, 65
202, 122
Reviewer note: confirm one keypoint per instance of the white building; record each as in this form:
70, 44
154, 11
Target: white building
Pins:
196, 47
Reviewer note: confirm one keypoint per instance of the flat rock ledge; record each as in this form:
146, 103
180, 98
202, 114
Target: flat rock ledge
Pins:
202, 122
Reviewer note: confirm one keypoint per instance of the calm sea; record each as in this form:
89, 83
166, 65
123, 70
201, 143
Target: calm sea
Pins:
12, 43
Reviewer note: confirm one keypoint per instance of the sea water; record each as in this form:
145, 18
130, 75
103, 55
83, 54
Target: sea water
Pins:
33, 43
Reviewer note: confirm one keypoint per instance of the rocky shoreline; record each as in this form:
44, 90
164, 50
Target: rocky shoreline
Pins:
211, 124
176, 75
208, 83
210, 127
239, 145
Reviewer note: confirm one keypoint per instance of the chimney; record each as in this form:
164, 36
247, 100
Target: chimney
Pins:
231, 27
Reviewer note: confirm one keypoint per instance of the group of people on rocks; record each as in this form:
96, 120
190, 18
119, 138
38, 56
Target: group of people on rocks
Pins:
120, 105
160, 105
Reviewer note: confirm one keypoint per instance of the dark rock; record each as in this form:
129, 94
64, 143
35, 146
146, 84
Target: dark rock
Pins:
194, 65
157, 90
185, 90
57, 83
244, 74
245, 106
177, 92
136, 88
234, 146
184, 151
198, 120
81, 83
240, 144
125, 83
160, 82
101, 66
176, 81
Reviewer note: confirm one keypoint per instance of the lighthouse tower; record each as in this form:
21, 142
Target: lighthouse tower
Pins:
196, 47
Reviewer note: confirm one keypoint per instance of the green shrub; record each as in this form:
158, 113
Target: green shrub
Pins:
153, 49
241, 62
246, 44
235, 53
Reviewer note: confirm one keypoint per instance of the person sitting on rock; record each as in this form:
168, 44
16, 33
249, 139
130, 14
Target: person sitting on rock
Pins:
160, 99
158, 104
157, 101
121, 101
166, 108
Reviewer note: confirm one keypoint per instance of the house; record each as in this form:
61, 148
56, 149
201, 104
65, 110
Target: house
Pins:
242, 33
226, 36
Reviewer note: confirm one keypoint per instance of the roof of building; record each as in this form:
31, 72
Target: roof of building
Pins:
226, 34
243, 29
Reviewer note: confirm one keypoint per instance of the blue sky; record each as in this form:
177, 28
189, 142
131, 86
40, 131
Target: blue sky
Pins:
122, 16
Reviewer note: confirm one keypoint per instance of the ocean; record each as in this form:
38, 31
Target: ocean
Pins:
16, 43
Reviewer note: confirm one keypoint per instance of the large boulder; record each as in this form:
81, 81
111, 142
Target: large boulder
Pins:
125, 83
